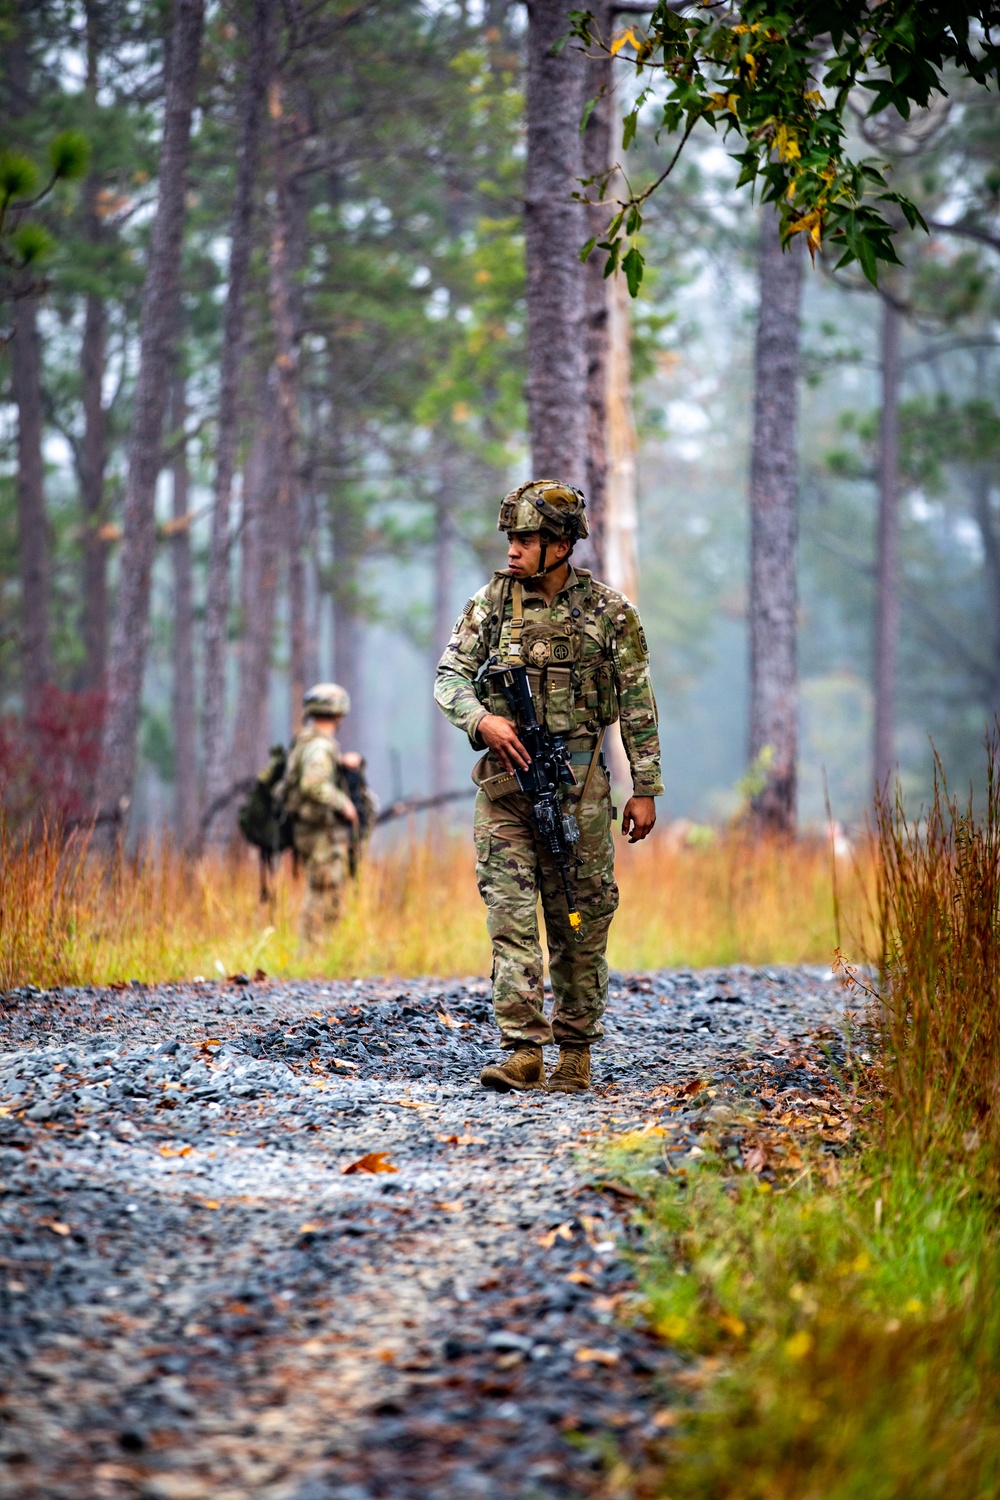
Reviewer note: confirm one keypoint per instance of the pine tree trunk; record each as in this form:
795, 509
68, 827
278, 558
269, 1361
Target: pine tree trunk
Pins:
32, 522
93, 461
182, 686
241, 245
441, 730
887, 549
555, 230
94, 448
598, 145
774, 701
287, 367
621, 513
258, 594
347, 529
130, 637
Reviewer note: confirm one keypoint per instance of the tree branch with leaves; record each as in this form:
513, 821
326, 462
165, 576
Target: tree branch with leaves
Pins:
781, 78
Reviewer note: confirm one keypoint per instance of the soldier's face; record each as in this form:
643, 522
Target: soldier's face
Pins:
524, 553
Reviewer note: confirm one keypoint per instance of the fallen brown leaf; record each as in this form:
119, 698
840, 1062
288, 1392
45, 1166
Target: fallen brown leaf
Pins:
176, 1150
580, 1278
561, 1232
374, 1161
452, 1206
57, 1227
447, 1020
597, 1356
339, 1062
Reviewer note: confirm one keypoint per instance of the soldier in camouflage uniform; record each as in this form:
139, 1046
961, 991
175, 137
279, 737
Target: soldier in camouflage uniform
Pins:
587, 662
323, 815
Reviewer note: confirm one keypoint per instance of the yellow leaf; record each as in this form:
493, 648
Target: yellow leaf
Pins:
210, 1203
623, 39
176, 1150
729, 1323
310, 1228
375, 1161
786, 144
799, 1345
672, 1327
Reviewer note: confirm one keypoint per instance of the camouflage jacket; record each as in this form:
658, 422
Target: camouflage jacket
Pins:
586, 657
311, 793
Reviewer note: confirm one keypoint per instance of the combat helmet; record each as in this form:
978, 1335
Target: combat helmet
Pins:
557, 510
328, 700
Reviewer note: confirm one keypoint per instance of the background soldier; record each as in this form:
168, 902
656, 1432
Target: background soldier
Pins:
324, 818
587, 662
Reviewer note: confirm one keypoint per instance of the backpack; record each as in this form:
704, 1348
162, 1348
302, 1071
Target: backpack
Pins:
263, 819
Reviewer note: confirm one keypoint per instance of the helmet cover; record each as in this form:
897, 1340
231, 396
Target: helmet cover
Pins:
327, 700
545, 505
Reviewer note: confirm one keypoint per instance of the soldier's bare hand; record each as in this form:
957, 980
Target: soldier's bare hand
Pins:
638, 818
501, 737
351, 760
349, 812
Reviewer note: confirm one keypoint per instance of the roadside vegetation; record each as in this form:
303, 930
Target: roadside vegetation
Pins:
836, 1310
68, 918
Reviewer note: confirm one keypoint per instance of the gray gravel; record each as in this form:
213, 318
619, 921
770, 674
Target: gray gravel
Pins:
197, 1301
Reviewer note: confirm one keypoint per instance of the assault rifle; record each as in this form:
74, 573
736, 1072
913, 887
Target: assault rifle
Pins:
548, 772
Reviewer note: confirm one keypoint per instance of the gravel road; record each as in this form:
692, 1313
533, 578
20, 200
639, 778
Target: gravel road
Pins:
198, 1302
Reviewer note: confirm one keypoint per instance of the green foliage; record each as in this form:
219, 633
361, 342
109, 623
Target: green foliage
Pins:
31, 243
19, 177
783, 80
69, 156
845, 1342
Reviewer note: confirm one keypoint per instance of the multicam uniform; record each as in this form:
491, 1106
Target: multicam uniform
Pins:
322, 833
587, 661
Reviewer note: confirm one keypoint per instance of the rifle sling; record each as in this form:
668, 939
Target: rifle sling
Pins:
516, 622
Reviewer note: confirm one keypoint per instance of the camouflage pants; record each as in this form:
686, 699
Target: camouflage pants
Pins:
512, 871
324, 852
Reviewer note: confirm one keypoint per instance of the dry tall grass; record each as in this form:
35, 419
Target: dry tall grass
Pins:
68, 918
939, 902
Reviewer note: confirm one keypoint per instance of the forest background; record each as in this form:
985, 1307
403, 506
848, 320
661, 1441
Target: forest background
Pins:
372, 193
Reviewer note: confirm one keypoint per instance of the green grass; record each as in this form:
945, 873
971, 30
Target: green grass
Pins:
842, 1344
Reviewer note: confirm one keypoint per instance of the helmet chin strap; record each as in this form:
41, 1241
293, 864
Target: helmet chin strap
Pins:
541, 570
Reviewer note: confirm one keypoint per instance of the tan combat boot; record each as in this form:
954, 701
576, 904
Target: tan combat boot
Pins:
523, 1069
572, 1072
